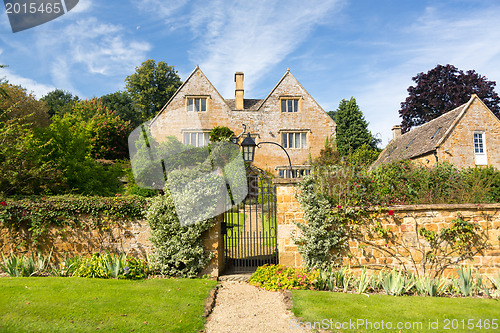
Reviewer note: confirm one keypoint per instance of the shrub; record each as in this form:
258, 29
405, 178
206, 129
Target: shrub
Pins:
179, 250
135, 269
93, 267
279, 277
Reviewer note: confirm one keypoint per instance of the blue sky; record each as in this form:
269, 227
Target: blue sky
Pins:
369, 49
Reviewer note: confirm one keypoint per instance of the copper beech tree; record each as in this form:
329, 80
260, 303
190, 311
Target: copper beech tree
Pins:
442, 89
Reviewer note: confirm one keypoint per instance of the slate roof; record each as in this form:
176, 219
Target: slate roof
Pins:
248, 104
423, 139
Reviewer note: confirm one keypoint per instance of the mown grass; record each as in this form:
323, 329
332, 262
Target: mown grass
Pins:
448, 313
83, 305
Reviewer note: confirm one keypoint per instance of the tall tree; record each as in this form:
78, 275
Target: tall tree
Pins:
123, 105
23, 105
442, 89
60, 102
151, 86
333, 115
352, 128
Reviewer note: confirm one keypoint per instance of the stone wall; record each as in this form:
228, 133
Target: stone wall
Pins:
402, 223
130, 237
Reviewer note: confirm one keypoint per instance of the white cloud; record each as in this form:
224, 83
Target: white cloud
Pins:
248, 36
38, 89
467, 40
91, 48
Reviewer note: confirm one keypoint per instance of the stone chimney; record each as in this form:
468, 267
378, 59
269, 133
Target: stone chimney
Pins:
396, 131
238, 78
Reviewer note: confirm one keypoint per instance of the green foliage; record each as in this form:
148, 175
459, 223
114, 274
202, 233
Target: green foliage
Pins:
37, 214
93, 267
352, 128
396, 284
135, 269
328, 155
107, 131
179, 250
323, 239
22, 170
59, 102
430, 286
221, 133
114, 264
25, 266
68, 145
456, 243
465, 282
280, 277
23, 106
151, 86
123, 105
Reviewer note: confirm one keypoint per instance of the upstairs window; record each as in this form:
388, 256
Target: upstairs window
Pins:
480, 149
197, 104
294, 140
196, 139
289, 104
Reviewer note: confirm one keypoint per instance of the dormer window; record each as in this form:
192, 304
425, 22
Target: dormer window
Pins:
197, 104
290, 104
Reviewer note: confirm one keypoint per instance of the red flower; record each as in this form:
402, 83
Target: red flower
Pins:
339, 207
391, 212
3, 203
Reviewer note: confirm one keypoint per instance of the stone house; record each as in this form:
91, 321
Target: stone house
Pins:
466, 136
288, 116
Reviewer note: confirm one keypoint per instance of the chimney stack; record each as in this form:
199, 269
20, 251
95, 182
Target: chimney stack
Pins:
396, 131
238, 78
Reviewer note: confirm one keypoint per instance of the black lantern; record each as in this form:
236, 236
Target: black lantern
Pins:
248, 145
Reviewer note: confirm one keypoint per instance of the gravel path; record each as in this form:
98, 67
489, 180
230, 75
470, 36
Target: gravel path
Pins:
240, 307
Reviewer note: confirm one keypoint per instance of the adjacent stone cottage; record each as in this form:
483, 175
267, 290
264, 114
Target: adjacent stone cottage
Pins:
467, 136
288, 116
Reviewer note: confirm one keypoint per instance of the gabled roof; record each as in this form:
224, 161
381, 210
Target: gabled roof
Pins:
425, 138
182, 86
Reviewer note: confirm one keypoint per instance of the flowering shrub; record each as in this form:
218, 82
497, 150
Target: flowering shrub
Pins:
279, 277
135, 269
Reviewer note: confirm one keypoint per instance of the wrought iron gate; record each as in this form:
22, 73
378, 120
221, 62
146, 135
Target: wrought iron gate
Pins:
249, 228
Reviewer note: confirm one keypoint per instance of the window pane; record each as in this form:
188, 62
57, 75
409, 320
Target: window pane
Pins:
197, 104
203, 104
295, 105
283, 105
206, 137
297, 140
190, 104
290, 105
284, 140
193, 139
186, 138
282, 173
290, 140
304, 140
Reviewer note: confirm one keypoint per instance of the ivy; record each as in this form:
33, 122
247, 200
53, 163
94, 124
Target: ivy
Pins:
39, 213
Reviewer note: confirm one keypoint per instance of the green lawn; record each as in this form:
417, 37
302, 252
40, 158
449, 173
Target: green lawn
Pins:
416, 314
86, 305
235, 222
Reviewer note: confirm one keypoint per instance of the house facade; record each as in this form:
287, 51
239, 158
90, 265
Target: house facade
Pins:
467, 136
288, 116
